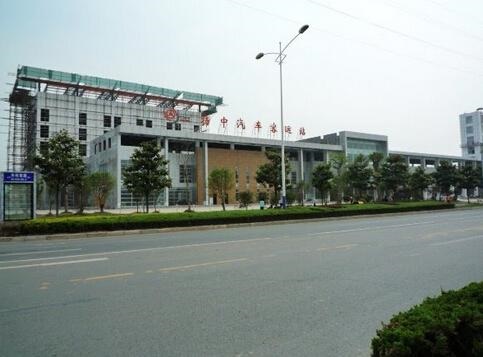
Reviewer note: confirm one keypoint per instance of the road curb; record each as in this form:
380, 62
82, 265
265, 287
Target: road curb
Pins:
121, 233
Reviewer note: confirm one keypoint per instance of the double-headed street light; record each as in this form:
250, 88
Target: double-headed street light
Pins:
279, 59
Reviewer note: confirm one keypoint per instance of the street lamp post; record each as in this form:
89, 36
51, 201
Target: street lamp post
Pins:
279, 59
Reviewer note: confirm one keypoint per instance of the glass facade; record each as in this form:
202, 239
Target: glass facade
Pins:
364, 147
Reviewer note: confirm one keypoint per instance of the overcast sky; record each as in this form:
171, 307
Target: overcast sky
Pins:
402, 68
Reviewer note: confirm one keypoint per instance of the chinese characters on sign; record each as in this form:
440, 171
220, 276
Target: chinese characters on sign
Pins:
18, 177
239, 127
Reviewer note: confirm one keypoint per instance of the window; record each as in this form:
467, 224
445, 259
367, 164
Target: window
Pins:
196, 128
247, 175
293, 178
107, 121
471, 150
149, 123
83, 150
44, 147
186, 173
169, 126
139, 122
469, 120
470, 141
100, 147
117, 121
318, 156
109, 143
44, 131
104, 145
82, 134
177, 126
469, 130
44, 115
237, 176
95, 149
82, 118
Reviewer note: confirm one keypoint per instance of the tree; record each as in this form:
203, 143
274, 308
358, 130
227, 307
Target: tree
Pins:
220, 182
469, 178
418, 182
394, 174
322, 179
271, 173
246, 197
300, 188
359, 174
338, 162
101, 184
60, 164
377, 159
446, 176
82, 189
146, 173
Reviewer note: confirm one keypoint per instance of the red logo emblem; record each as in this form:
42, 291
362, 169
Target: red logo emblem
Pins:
170, 114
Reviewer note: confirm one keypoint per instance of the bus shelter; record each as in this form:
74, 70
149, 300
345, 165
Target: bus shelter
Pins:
17, 195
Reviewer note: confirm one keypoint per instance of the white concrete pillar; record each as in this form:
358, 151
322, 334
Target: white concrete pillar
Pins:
166, 157
205, 150
302, 174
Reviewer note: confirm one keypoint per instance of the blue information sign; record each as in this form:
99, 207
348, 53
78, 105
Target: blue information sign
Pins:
27, 177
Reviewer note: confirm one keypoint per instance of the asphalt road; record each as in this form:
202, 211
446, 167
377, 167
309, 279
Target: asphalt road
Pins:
305, 289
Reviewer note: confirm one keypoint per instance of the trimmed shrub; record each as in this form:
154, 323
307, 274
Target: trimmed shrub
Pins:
448, 325
89, 223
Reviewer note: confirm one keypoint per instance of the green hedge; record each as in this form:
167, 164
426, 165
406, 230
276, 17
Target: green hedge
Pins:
449, 325
110, 222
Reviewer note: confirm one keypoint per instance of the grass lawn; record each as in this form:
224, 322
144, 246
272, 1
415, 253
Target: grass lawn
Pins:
110, 222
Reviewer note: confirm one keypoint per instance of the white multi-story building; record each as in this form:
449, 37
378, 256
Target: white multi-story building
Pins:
43, 102
110, 118
471, 134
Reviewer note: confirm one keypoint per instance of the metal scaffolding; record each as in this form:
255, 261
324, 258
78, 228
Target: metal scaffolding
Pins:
21, 130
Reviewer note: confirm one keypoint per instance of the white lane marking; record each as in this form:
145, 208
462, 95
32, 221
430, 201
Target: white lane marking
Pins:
457, 240
345, 246
138, 250
370, 228
53, 263
40, 252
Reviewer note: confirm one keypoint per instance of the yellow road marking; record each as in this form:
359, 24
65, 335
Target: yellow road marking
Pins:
44, 286
180, 268
346, 246
101, 277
